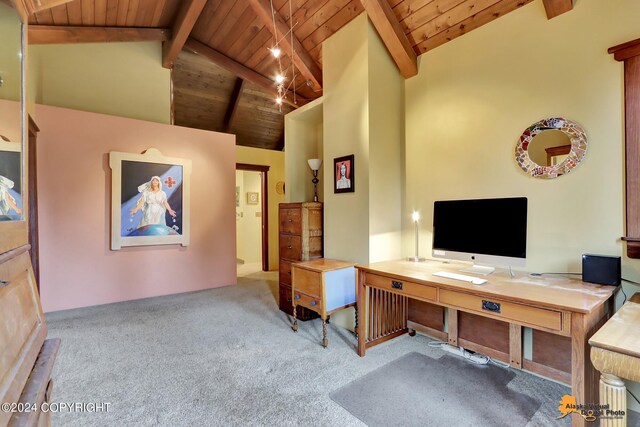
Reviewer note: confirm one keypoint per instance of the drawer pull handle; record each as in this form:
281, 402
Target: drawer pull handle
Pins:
4, 283
297, 296
289, 247
491, 306
290, 220
396, 285
313, 303
288, 299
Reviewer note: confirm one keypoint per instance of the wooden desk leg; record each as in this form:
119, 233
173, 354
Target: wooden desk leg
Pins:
584, 377
453, 326
361, 303
613, 392
295, 320
515, 345
325, 341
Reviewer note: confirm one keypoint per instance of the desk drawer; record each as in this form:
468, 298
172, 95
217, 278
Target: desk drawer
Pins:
422, 292
308, 282
291, 221
291, 247
504, 310
308, 301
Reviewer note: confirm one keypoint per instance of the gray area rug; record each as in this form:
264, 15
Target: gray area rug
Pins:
417, 390
223, 357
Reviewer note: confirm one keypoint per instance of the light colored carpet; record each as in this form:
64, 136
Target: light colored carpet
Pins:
223, 357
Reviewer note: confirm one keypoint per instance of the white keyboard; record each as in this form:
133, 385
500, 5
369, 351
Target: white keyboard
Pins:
461, 277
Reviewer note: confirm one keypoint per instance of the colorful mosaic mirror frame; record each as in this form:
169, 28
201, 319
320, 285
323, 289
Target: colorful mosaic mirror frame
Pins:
576, 135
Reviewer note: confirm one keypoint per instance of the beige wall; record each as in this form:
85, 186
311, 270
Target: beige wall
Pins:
386, 147
249, 218
77, 267
346, 131
303, 141
9, 53
363, 114
474, 96
120, 79
275, 160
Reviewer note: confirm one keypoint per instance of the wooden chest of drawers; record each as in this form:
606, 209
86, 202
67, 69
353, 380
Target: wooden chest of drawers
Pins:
300, 239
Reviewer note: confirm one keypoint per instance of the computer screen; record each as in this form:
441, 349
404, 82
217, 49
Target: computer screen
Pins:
484, 230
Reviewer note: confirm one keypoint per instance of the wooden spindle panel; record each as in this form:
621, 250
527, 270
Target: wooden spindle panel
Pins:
387, 315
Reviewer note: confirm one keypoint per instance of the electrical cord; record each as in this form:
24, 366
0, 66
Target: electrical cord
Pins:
625, 295
473, 357
634, 396
631, 281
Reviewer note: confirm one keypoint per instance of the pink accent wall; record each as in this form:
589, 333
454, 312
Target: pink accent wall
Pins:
74, 194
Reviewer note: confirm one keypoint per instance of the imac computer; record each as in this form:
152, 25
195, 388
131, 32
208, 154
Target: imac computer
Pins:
484, 231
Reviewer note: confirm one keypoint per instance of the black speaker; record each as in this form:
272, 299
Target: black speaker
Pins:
601, 269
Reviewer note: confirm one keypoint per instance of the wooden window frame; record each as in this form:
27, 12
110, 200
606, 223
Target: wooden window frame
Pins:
629, 53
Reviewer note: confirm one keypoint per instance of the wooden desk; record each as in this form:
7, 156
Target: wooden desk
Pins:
615, 352
564, 312
324, 286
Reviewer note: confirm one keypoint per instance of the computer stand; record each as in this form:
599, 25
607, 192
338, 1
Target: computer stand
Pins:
483, 270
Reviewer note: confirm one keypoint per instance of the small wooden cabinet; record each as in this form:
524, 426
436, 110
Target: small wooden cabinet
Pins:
300, 239
324, 286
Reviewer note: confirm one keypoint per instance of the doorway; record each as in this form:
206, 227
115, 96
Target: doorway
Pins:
252, 229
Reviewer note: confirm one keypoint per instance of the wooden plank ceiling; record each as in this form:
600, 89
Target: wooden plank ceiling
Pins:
237, 35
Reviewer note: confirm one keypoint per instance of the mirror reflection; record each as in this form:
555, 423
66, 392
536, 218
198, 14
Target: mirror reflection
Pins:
549, 148
11, 182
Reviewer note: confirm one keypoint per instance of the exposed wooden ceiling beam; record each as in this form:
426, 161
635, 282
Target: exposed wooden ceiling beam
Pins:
392, 35
233, 103
22, 9
47, 34
301, 57
183, 24
557, 7
239, 70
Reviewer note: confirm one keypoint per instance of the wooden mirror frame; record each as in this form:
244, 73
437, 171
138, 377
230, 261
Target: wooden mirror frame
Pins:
16, 233
576, 135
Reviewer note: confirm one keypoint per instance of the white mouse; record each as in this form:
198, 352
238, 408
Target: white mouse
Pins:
478, 281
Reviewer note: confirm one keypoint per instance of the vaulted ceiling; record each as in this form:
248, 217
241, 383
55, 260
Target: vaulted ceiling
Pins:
223, 71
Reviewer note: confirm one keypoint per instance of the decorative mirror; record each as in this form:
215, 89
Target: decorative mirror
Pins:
551, 147
11, 116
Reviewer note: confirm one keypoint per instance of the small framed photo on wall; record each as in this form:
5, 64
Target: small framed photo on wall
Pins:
344, 174
252, 198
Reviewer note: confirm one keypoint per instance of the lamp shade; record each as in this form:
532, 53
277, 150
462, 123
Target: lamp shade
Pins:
314, 164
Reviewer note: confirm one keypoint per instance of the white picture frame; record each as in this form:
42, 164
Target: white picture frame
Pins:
143, 212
